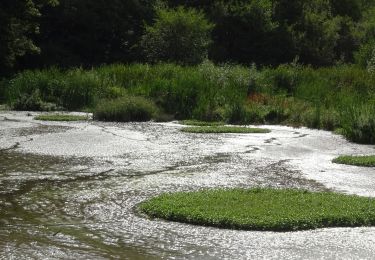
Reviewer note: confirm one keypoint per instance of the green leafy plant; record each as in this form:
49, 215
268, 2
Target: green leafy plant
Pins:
178, 35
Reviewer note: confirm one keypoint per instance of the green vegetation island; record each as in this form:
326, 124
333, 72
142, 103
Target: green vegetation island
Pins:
263, 209
363, 161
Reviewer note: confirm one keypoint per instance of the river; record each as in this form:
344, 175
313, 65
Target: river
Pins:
69, 190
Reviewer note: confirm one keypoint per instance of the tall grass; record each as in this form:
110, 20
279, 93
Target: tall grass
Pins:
327, 98
126, 109
183, 91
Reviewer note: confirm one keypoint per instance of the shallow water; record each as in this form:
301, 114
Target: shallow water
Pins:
69, 190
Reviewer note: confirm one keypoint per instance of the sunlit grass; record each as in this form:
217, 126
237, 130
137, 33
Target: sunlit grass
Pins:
224, 129
201, 123
263, 209
365, 161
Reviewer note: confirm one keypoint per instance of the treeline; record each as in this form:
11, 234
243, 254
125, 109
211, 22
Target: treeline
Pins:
66, 33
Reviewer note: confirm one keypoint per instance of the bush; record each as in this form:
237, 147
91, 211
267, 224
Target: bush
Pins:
284, 78
126, 109
358, 123
178, 35
364, 54
33, 102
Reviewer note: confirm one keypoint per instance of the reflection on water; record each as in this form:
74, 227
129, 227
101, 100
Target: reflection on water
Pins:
71, 191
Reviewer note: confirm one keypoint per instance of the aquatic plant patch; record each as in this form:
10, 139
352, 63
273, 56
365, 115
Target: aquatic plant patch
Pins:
60, 117
201, 123
365, 161
224, 129
263, 209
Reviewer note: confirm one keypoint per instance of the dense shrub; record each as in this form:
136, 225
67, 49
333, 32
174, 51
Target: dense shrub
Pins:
126, 109
358, 123
32, 102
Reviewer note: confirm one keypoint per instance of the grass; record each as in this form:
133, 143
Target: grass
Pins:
365, 161
224, 129
263, 209
201, 123
60, 117
342, 96
126, 109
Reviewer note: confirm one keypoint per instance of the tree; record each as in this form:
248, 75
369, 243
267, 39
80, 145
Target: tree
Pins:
18, 23
88, 33
246, 32
178, 35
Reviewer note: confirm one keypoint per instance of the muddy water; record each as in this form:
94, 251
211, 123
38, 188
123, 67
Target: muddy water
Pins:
69, 190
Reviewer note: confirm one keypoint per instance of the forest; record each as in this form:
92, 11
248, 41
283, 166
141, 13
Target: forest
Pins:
65, 33
295, 62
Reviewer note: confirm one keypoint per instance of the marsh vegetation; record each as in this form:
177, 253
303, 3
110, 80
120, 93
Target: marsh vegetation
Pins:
364, 161
263, 209
224, 129
324, 98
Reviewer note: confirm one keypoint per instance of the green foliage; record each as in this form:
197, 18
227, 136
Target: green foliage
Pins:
365, 161
263, 209
282, 78
126, 109
324, 98
87, 33
358, 123
268, 32
371, 62
32, 102
60, 117
178, 35
245, 32
224, 129
19, 22
72, 90
365, 54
